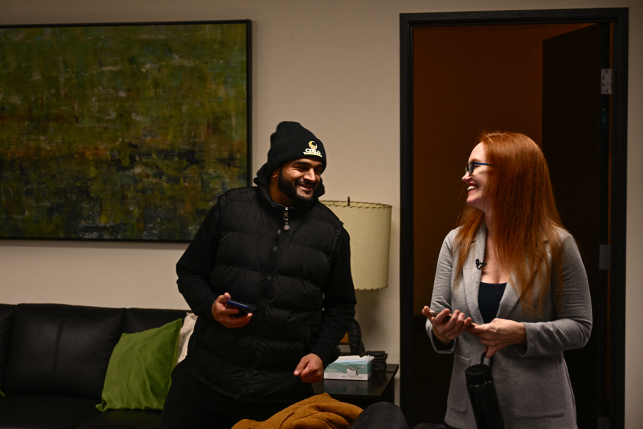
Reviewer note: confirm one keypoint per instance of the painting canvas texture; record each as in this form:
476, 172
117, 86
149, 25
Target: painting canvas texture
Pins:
120, 132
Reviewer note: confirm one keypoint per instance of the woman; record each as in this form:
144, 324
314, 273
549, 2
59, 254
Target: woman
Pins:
514, 284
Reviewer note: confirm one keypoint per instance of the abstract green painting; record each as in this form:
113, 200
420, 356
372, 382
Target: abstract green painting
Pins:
121, 131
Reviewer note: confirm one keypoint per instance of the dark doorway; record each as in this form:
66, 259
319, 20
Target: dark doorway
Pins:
468, 98
576, 128
491, 77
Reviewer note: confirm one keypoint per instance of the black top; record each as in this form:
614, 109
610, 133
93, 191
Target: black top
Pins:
489, 297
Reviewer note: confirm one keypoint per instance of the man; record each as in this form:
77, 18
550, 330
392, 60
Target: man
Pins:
278, 250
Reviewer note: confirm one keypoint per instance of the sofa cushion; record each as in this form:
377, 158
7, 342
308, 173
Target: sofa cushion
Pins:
124, 419
50, 412
184, 337
6, 320
142, 319
140, 369
61, 349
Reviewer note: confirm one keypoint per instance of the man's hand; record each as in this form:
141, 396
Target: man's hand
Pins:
447, 328
310, 369
222, 314
499, 334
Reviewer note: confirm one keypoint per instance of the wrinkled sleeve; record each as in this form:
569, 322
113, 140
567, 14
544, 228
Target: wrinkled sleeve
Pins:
441, 298
339, 302
573, 324
196, 264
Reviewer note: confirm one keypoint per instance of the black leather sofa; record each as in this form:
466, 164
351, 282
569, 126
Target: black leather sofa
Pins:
53, 361
54, 358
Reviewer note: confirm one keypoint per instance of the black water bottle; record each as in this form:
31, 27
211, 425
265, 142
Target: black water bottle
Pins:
484, 399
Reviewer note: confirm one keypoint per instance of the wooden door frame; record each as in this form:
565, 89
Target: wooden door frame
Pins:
619, 18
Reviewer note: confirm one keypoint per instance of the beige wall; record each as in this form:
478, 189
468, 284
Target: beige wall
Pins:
334, 66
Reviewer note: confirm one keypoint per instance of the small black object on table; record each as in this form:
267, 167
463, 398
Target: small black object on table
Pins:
379, 387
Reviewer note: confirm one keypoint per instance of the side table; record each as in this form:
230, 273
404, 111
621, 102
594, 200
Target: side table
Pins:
380, 387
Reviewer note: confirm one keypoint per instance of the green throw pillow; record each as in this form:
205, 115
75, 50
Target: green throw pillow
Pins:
138, 375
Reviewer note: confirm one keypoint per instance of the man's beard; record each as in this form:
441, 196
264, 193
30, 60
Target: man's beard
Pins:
289, 189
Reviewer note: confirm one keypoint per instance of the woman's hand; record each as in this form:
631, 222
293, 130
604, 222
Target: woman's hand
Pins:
499, 334
446, 328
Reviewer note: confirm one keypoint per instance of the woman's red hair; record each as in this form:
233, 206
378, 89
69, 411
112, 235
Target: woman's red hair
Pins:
525, 221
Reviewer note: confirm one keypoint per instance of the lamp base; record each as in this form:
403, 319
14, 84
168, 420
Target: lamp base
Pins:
355, 339
352, 344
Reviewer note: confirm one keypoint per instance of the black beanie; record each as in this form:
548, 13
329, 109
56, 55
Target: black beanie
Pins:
292, 141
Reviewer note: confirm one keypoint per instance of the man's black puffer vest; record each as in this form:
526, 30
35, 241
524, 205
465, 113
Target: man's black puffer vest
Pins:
281, 274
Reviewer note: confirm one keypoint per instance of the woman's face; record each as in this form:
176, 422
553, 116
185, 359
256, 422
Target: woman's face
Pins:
477, 180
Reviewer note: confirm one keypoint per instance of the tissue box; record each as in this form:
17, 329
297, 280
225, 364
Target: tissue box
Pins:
349, 368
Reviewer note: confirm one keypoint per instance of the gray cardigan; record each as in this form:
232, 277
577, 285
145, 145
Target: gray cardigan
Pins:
531, 380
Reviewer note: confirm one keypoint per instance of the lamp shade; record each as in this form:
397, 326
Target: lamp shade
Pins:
369, 226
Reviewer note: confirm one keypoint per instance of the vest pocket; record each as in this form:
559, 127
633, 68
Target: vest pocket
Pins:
458, 399
536, 388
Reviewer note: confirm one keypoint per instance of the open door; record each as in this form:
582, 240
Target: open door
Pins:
600, 391
577, 147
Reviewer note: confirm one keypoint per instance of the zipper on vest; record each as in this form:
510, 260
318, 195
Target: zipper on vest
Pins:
252, 352
286, 226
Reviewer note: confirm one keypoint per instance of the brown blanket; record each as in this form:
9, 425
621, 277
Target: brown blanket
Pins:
317, 412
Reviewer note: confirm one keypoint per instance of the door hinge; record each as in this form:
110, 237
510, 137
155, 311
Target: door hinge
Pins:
605, 257
606, 81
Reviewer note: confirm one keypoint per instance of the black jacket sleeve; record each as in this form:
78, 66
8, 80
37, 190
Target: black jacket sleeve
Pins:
196, 264
339, 302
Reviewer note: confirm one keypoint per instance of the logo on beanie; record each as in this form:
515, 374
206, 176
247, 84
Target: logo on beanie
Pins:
312, 149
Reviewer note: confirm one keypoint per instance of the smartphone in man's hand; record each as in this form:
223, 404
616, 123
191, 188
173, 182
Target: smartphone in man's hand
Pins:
243, 308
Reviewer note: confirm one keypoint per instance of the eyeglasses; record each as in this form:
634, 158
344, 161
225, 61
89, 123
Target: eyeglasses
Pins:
472, 166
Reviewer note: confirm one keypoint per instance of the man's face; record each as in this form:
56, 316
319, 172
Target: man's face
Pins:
297, 180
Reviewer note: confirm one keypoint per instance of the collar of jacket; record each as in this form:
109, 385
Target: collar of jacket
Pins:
272, 207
